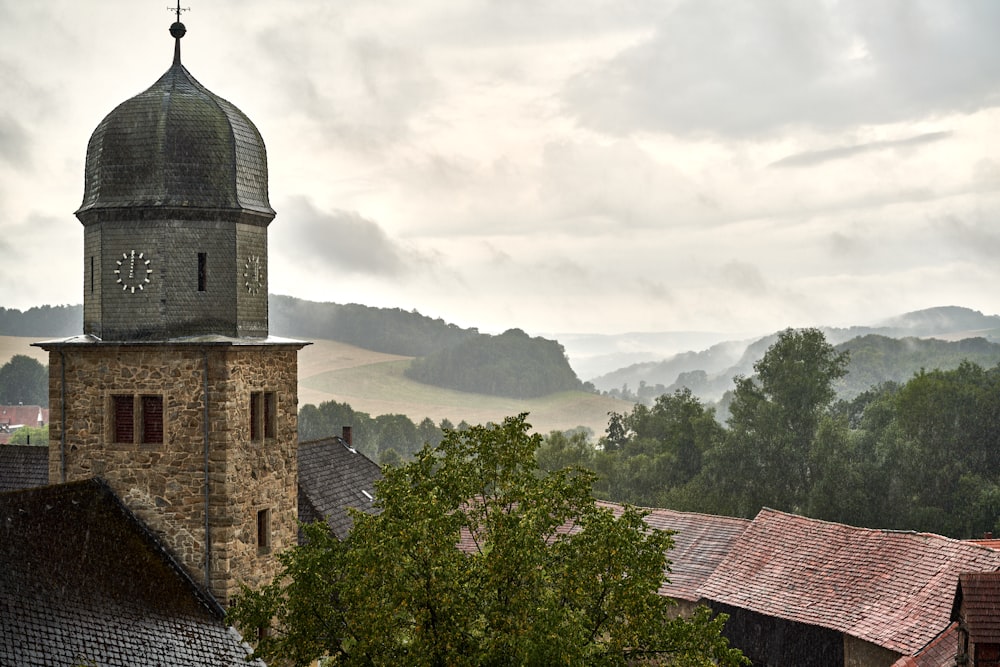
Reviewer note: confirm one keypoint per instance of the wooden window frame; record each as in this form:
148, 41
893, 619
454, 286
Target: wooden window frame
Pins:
263, 415
137, 419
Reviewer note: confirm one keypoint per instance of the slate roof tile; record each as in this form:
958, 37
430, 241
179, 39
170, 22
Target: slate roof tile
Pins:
23, 467
332, 478
893, 589
83, 581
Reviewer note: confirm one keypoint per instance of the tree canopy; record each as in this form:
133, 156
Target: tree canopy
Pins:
25, 381
478, 558
512, 364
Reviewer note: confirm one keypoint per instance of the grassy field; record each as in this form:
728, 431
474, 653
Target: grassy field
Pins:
373, 382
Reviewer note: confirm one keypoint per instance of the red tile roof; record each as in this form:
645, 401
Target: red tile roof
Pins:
700, 543
23, 415
890, 588
979, 601
940, 652
991, 543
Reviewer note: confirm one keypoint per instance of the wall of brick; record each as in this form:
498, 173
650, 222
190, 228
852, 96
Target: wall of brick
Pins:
164, 484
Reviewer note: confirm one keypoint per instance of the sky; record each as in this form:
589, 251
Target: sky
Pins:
589, 166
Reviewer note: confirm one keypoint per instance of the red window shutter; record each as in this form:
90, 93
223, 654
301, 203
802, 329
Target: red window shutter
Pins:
152, 419
124, 428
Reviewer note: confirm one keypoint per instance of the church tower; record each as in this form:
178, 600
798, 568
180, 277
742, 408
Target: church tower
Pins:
175, 393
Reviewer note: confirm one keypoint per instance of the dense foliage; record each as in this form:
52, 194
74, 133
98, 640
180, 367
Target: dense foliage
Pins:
30, 435
24, 381
512, 364
524, 591
388, 439
923, 455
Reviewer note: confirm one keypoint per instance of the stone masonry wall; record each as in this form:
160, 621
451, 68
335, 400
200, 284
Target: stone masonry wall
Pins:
164, 484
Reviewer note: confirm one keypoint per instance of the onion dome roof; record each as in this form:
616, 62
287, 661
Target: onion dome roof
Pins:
176, 145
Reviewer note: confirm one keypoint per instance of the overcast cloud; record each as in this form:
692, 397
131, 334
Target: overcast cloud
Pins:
556, 166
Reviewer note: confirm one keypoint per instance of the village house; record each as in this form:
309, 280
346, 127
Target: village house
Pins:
13, 417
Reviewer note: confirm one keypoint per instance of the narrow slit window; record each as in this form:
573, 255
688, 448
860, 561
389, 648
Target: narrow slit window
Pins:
91, 274
264, 529
270, 414
152, 420
256, 410
202, 271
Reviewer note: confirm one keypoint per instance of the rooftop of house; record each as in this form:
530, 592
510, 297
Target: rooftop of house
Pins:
82, 581
333, 477
23, 467
939, 652
701, 541
15, 416
893, 589
977, 605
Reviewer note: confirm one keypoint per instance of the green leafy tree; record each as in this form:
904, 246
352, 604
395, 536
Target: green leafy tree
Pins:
24, 380
767, 459
30, 435
545, 576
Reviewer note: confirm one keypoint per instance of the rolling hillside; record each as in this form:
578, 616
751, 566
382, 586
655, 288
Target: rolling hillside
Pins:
373, 382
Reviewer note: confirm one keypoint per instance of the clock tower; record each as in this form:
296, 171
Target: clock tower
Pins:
175, 393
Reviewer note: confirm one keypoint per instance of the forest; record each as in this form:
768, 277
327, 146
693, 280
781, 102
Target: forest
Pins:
922, 455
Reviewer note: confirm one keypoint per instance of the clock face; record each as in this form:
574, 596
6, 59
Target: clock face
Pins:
253, 274
133, 271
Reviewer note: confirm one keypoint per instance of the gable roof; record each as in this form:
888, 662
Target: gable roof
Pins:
978, 601
700, 543
333, 477
82, 581
893, 589
23, 467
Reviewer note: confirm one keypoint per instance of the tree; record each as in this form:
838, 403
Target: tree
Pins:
24, 380
30, 435
545, 576
766, 459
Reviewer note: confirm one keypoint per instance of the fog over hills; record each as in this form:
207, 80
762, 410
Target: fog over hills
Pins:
709, 372
703, 361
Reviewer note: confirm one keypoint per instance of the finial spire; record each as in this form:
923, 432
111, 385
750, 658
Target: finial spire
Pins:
178, 30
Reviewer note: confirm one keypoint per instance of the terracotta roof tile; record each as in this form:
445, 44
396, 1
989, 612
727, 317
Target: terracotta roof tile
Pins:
700, 543
979, 599
890, 588
940, 652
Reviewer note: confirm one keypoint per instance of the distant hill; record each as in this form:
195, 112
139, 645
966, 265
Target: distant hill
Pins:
42, 321
512, 364
893, 350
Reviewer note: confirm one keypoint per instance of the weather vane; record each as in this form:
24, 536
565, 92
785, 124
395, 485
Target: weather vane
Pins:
178, 10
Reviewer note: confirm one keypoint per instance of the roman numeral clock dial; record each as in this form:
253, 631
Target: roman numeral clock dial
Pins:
132, 271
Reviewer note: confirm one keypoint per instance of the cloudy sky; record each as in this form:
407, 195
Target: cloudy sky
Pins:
554, 165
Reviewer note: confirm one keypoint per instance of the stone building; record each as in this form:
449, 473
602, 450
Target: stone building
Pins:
174, 393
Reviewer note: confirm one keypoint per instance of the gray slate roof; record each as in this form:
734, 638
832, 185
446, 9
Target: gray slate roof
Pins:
332, 478
176, 145
23, 467
82, 581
